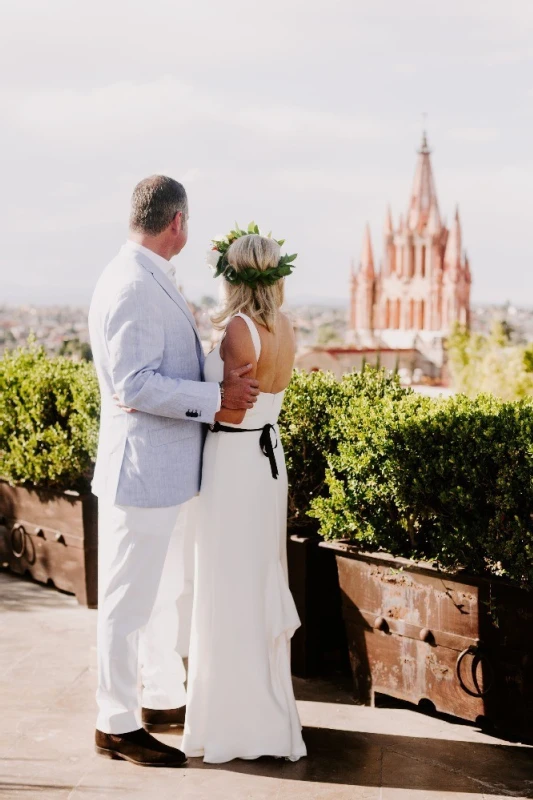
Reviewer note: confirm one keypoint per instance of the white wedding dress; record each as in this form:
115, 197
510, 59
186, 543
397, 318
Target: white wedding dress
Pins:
240, 700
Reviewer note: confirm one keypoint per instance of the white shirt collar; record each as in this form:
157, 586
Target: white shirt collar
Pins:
167, 267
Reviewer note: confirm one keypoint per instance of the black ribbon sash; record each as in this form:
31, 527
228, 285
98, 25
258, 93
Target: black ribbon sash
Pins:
265, 441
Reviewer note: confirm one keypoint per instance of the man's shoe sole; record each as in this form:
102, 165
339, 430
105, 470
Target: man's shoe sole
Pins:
114, 754
153, 727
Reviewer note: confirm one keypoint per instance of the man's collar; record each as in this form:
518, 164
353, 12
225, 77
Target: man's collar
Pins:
167, 267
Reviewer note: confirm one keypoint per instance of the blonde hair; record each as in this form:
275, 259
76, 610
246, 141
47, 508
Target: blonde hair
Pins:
263, 302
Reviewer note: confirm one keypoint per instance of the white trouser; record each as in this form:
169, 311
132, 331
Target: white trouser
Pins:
140, 578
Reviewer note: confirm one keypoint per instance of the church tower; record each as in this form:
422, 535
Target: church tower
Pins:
363, 285
423, 287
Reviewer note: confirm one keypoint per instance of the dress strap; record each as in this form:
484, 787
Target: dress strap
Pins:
254, 333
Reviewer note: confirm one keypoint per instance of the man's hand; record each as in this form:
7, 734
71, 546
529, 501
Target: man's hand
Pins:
116, 398
240, 392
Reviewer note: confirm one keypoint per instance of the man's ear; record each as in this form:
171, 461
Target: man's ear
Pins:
177, 223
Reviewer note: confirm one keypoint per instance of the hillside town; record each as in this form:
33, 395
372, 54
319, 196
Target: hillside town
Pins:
317, 326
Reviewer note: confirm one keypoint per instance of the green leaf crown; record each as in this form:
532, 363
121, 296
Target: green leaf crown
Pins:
250, 276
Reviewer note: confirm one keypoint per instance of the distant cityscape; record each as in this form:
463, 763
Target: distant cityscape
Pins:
63, 329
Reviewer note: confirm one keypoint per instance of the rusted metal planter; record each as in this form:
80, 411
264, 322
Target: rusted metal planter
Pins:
52, 537
319, 643
415, 633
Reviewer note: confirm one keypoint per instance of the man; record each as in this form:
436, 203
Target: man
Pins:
147, 351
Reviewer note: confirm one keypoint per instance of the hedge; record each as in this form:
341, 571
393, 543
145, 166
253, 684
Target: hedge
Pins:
449, 480
49, 412
312, 400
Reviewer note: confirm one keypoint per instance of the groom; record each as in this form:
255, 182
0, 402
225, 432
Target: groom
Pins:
147, 350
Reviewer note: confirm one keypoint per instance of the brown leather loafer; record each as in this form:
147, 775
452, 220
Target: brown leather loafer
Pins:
139, 748
159, 721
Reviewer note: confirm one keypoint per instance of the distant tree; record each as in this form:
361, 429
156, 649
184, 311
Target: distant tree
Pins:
326, 334
492, 363
507, 330
86, 352
73, 348
528, 358
207, 301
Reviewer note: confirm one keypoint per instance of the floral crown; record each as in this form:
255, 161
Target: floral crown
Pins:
217, 258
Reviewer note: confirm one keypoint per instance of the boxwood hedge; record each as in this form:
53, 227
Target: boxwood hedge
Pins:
448, 480
49, 411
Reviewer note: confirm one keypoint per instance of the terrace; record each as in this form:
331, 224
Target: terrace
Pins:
47, 666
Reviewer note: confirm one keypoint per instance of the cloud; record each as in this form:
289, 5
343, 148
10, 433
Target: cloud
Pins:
127, 112
295, 122
103, 116
474, 135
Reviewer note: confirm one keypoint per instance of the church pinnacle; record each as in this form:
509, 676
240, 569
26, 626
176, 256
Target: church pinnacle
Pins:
367, 256
423, 195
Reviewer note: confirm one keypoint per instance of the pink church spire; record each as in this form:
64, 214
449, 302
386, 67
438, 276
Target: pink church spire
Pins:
367, 257
423, 194
468, 273
434, 225
389, 225
452, 256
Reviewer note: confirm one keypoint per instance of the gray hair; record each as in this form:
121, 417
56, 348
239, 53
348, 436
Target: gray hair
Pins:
155, 202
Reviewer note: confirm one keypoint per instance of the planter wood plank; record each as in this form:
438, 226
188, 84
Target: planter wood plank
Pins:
417, 634
53, 538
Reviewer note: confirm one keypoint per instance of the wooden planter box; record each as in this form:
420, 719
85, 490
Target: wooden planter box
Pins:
53, 538
415, 633
319, 644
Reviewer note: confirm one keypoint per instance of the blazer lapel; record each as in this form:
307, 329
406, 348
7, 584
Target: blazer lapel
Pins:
168, 287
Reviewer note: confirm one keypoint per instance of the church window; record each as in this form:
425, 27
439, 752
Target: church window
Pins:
421, 310
397, 312
388, 322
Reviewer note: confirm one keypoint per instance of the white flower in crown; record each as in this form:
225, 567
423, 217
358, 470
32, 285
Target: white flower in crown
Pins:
212, 258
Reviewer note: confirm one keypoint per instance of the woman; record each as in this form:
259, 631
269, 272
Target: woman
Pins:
240, 701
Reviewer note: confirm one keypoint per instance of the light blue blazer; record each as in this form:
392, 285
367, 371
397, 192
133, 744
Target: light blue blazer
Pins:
147, 349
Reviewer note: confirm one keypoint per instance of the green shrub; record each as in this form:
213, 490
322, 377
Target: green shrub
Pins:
306, 440
447, 480
492, 363
311, 401
49, 410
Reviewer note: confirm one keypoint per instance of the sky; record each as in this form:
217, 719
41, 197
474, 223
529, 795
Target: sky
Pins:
303, 115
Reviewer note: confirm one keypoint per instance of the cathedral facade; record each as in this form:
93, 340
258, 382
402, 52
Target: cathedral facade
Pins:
423, 285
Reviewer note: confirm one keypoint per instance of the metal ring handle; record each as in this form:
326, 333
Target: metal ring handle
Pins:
18, 529
475, 651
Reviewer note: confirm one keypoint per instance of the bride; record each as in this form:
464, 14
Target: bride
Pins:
240, 701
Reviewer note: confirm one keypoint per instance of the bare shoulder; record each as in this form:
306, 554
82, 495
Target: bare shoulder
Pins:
236, 327
238, 341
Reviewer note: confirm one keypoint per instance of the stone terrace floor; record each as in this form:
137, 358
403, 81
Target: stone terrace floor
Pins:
47, 686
